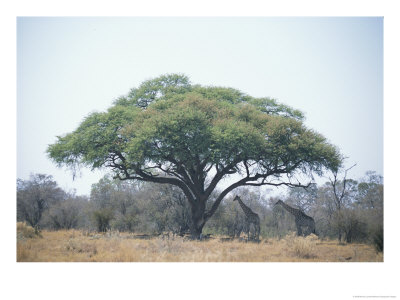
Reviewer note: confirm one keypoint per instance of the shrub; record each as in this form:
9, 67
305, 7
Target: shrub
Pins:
303, 247
26, 231
102, 218
124, 223
377, 239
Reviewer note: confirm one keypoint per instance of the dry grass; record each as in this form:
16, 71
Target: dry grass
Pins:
78, 246
25, 231
303, 247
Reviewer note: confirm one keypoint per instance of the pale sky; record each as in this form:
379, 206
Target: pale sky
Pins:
329, 68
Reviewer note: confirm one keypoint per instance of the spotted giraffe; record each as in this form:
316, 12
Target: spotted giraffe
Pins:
301, 219
251, 218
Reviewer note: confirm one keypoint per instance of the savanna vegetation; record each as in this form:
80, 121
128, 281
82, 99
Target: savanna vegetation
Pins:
128, 221
82, 246
168, 144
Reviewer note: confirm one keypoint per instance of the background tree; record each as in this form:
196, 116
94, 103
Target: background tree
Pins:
101, 219
370, 204
169, 131
151, 209
113, 204
34, 196
67, 214
303, 198
168, 208
143, 208
343, 194
370, 191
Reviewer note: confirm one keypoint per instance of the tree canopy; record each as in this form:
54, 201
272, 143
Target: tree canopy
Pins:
170, 131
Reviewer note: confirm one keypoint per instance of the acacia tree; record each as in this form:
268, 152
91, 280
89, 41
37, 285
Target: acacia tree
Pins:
170, 131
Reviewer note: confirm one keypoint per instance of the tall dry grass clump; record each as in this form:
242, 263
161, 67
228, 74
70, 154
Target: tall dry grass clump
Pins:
25, 231
303, 247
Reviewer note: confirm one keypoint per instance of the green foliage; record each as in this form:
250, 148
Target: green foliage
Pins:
182, 123
272, 107
170, 131
152, 90
95, 141
102, 218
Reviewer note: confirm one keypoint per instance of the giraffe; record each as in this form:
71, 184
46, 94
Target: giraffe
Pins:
251, 218
301, 219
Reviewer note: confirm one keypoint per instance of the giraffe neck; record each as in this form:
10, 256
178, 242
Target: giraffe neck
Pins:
246, 209
290, 209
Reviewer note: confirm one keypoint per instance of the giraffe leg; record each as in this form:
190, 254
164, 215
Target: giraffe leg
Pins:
250, 233
248, 230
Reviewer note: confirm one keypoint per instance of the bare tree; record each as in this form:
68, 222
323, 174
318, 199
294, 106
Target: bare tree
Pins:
34, 196
341, 190
303, 198
66, 214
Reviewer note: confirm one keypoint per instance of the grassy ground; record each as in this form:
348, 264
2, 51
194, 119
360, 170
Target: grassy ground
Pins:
78, 246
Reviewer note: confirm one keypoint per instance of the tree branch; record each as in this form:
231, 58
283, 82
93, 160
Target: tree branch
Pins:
220, 174
339, 198
143, 176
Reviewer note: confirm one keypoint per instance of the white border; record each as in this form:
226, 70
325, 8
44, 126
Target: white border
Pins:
195, 281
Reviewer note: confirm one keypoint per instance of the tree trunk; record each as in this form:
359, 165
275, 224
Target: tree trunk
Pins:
198, 219
196, 233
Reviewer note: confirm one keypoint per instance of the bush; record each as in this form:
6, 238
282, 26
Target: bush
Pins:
26, 231
303, 247
377, 239
102, 218
124, 223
